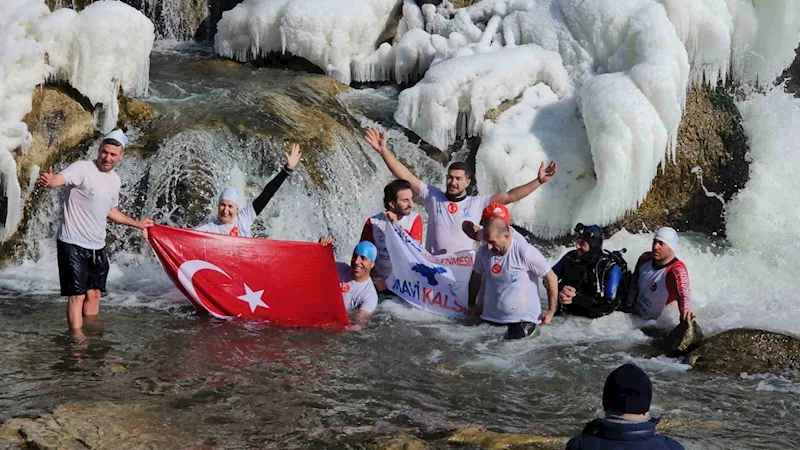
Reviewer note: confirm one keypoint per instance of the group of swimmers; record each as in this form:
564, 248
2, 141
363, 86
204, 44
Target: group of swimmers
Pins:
503, 288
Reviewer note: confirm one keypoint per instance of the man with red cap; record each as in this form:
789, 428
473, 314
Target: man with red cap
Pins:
503, 288
660, 278
627, 425
492, 211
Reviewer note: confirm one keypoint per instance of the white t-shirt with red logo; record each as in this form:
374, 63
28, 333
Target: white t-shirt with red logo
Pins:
375, 231
91, 195
510, 283
445, 218
656, 287
241, 225
356, 294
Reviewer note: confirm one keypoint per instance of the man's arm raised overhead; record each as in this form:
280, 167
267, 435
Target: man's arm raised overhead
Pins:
377, 139
520, 192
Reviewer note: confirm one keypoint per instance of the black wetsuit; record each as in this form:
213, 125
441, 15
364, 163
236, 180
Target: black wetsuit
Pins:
595, 295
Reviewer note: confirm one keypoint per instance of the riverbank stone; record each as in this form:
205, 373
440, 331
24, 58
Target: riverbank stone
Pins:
753, 351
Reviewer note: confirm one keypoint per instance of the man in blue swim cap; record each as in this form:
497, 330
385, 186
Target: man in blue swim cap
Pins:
358, 292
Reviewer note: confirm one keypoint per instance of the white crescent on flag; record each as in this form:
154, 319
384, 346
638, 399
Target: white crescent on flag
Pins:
185, 273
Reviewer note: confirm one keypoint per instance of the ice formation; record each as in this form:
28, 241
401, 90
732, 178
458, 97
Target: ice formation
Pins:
330, 34
599, 85
99, 50
102, 48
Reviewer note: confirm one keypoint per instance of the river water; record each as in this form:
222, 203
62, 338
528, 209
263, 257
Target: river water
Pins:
246, 385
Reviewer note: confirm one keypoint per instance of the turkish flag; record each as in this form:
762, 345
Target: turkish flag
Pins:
288, 283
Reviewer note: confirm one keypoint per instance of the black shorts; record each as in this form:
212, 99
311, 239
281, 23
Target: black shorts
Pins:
81, 269
520, 330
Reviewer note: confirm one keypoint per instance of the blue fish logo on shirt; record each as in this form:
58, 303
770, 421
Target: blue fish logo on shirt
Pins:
428, 272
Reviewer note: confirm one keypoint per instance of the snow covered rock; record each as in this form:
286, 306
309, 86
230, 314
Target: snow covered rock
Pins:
330, 34
103, 48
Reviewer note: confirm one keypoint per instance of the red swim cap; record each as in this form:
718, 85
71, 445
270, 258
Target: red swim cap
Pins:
496, 210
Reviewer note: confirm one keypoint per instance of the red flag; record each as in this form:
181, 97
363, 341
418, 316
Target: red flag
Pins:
288, 283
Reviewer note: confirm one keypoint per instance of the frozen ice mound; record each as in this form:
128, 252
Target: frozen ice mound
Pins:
330, 34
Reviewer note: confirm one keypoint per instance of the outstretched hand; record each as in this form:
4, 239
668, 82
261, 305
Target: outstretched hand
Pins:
377, 139
547, 317
546, 173
293, 158
46, 178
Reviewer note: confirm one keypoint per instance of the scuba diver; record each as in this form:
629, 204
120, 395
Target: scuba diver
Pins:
591, 282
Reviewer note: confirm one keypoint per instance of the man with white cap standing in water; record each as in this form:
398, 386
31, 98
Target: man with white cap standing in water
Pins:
92, 197
660, 278
235, 220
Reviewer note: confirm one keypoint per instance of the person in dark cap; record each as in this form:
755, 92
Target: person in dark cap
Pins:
626, 425
591, 282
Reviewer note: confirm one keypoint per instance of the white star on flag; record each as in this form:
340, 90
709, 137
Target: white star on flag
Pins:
253, 298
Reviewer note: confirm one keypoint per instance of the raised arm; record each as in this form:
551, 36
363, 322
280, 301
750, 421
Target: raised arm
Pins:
52, 180
292, 159
377, 139
520, 192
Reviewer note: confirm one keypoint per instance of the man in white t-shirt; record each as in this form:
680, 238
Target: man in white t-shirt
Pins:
398, 201
448, 210
232, 220
92, 198
358, 292
504, 283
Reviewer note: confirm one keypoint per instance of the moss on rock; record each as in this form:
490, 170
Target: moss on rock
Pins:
711, 145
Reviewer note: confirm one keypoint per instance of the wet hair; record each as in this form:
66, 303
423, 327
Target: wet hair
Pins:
391, 190
498, 225
112, 142
460, 165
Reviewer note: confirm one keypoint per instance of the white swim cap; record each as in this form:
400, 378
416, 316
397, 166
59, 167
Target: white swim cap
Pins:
231, 194
668, 236
118, 136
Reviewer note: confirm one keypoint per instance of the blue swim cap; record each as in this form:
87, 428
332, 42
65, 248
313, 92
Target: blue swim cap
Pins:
366, 249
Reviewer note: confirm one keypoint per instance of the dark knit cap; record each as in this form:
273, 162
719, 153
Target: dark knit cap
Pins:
627, 390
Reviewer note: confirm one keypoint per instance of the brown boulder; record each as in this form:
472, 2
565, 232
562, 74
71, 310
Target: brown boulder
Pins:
60, 119
746, 350
712, 139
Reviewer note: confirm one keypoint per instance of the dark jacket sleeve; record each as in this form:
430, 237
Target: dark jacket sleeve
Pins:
270, 189
575, 443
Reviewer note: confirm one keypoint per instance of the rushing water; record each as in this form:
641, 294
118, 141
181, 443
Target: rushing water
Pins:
247, 385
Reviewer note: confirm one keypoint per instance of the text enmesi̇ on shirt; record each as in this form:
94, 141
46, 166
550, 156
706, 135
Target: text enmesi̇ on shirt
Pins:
445, 218
90, 196
509, 289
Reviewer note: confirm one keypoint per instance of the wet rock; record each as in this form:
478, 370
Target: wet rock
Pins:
482, 438
157, 387
117, 368
711, 145
401, 442
746, 350
134, 112
682, 339
60, 118
95, 425
791, 76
